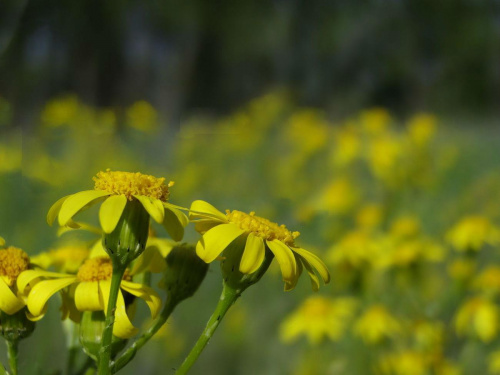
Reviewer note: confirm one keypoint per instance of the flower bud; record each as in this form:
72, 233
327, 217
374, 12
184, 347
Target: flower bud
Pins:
128, 240
16, 326
91, 329
184, 273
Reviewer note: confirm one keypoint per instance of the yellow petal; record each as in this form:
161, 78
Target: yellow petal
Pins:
9, 302
29, 276
123, 328
285, 259
315, 262
216, 240
312, 276
43, 290
293, 284
203, 210
87, 296
153, 206
110, 212
253, 255
77, 202
54, 210
163, 245
150, 260
146, 293
174, 222
204, 225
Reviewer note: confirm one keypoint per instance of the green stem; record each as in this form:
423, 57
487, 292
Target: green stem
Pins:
130, 353
107, 335
227, 298
12, 353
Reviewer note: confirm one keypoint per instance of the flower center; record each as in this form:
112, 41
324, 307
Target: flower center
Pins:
13, 261
97, 269
262, 227
130, 184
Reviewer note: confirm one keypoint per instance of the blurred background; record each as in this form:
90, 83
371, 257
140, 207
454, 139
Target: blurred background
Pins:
372, 127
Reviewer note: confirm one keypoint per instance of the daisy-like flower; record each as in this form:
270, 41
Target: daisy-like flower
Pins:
66, 258
114, 189
13, 261
91, 286
220, 230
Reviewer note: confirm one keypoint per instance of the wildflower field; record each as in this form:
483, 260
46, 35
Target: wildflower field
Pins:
404, 211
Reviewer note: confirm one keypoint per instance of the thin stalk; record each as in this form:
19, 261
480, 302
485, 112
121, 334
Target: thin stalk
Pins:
12, 351
107, 335
130, 353
227, 299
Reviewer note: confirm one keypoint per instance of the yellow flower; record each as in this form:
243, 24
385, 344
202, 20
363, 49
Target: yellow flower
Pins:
375, 120
2, 242
338, 197
478, 316
356, 249
407, 362
347, 145
142, 116
91, 286
488, 280
405, 226
319, 317
60, 111
67, 258
369, 216
220, 230
421, 128
115, 189
13, 261
461, 269
472, 232
494, 363
375, 324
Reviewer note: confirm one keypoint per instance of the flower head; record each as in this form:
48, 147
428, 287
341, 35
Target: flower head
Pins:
317, 318
375, 324
220, 230
114, 189
65, 258
91, 287
472, 232
13, 262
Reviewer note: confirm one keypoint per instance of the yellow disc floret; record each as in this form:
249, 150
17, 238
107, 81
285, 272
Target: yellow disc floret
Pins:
13, 261
97, 269
130, 184
262, 227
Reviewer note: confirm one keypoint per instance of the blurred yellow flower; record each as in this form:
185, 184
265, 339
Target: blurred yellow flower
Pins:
347, 145
407, 362
318, 318
377, 324
375, 120
369, 216
357, 249
307, 130
60, 111
384, 154
2, 242
421, 128
91, 293
338, 197
488, 280
67, 258
10, 158
494, 363
13, 262
405, 227
142, 116
461, 269
477, 317
472, 232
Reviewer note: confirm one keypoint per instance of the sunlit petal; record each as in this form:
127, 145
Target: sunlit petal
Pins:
285, 259
314, 261
87, 296
54, 210
216, 240
77, 202
174, 223
203, 210
153, 206
110, 212
9, 302
43, 290
146, 293
253, 255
